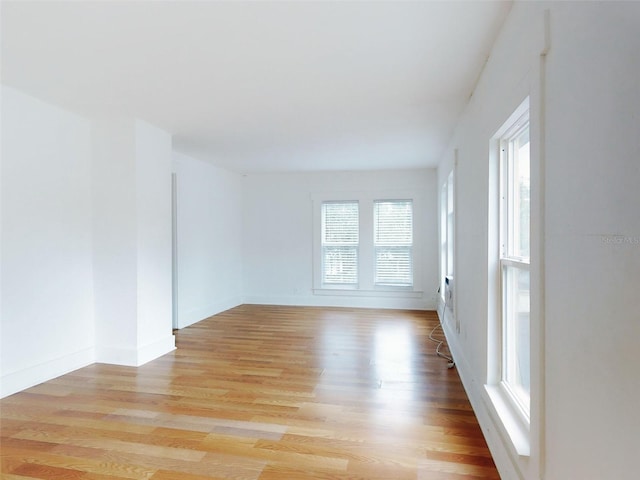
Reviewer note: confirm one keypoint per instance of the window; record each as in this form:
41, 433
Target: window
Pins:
393, 241
369, 244
447, 236
514, 261
450, 224
340, 237
446, 232
512, 363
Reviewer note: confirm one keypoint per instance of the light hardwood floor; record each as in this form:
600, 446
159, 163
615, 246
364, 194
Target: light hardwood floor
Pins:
258, 393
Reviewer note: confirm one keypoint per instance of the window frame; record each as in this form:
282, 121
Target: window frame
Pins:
516, 421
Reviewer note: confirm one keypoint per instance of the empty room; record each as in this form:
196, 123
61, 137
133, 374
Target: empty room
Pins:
347, 240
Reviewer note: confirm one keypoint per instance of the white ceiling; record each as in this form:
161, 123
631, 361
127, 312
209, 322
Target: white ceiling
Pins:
262, 86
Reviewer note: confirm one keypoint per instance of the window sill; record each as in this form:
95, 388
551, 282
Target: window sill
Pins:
400, 292
516, 428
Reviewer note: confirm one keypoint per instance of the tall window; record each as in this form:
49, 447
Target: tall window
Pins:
514, 261
446, 231
393, 242
450, 224
340, 238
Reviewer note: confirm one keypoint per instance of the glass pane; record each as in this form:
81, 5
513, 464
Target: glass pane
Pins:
520, 179
449, 270
393, 222
516, 334
393, 237
340, 223
393, 266
450, 193
450, 244
443, 237
340, 265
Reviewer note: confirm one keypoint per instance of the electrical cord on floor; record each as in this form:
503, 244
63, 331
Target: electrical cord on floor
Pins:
439, 343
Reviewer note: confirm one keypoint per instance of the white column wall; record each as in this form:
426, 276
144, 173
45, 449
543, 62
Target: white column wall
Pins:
86, 242
132, 241
115, 241
153, 207
209, 234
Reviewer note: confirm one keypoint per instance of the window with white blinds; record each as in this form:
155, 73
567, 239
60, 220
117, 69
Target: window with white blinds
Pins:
340, 238
393, 242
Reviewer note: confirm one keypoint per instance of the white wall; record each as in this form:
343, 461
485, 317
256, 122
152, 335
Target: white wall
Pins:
47, 299
153, 208
586, 230
132, 241
86, 242
209, 238
114, 240
592, 282
278, 234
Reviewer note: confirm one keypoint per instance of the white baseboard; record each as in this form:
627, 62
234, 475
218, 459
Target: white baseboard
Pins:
134, 357
14, 382
342, 301
156, 349
194, 315
117, 356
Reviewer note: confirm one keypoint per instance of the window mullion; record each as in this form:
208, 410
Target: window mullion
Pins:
367, 250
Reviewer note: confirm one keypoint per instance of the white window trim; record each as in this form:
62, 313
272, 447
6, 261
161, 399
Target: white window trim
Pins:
516, 428
366, 286
514, 420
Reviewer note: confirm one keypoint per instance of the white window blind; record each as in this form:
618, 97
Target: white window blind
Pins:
393, 242
340, 237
